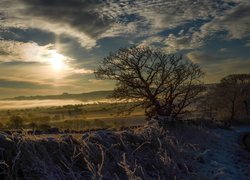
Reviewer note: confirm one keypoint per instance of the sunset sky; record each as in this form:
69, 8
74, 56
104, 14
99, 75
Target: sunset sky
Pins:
53, 46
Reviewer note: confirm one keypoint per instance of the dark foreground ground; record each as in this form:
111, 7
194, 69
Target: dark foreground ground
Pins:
181, 152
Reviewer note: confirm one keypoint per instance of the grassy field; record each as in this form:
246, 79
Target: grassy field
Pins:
74, 117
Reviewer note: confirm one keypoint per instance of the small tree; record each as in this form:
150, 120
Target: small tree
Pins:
33, 126
1, 126
15, 122
164, 84
230, 96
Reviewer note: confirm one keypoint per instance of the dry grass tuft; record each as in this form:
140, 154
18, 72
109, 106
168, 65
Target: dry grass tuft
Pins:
143, 153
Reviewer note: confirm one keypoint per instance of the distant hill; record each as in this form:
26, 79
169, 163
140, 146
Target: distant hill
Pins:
90, 96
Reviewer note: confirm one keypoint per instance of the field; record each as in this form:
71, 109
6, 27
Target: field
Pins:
73, 117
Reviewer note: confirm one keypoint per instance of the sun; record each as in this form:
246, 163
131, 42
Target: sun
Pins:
57, 61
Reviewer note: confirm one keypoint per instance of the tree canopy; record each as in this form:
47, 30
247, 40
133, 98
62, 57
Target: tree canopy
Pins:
164, 84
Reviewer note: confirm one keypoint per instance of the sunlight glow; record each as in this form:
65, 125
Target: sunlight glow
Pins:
57, 61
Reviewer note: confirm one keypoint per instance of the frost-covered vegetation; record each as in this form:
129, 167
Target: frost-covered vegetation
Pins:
145, 153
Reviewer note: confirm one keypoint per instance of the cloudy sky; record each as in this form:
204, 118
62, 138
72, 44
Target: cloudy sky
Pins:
53, 46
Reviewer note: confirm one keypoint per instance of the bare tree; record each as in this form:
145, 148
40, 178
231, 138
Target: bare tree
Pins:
231, 95
164, 84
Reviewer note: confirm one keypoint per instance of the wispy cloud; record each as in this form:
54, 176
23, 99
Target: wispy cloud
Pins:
20, 84
202, 57
235, 22
247, 44
216, 71
54, 16
25, 52
90, 21
80, 33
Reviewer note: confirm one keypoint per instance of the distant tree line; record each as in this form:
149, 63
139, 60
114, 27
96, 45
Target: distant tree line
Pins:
228, 100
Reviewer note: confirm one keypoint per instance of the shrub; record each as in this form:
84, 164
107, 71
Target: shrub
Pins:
33, 126
15, 122
44, 127
1, 125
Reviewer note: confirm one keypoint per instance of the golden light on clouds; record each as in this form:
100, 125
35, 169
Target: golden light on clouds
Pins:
32, 61
57, 60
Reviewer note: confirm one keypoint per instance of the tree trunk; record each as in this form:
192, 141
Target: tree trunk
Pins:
232, 113
246, 107
233, 108
164, 117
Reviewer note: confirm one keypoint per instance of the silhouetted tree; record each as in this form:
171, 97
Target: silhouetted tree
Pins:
230, 96
164, 84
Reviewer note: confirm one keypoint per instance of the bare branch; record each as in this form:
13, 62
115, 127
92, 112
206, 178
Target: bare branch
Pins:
164, 83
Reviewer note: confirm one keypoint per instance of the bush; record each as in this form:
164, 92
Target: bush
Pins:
76, 124
56, 117
1, 125
41, 119
44, 127
15, 122
33, 126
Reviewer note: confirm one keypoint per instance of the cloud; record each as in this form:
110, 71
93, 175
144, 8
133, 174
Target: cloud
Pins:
13, 92
19, 53
216, 66
171, 43
235, 22
153, 40
174, 43
101, 84
8, 83
29, 35
78, 14
82, 32
202, 57
247, 44
23, 62
223, 50
89, 21
218, 17
27, 52
161, 14
83, 71
215, 72
45, 16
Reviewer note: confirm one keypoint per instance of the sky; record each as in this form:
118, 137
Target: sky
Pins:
53, 46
